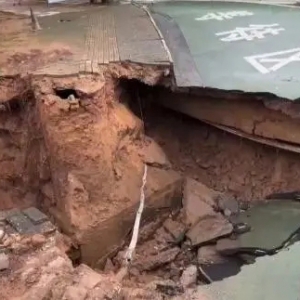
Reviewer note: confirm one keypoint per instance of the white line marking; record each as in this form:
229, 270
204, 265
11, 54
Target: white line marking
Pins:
278, 59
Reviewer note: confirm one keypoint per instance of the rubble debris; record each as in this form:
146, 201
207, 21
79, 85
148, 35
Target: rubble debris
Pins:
50, 274
139, 293
227, 205
4, 261
148, 229
198, 200
35, 215
209, 255
2, 234
189, 276
244, 205
163, 237
209, 228
75, 293
167, 287
154, 261
175, 228
27, 221
109, 266
37, 240
240, 228
228, 246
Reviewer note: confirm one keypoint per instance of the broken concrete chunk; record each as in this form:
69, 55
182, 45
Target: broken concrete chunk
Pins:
88, 278
136, 293
208, 229
35, 215
166, 287
176, 229
240, 228
162, 236
4, 261
227, 246
154, 261
209, 255
189, 276
2, 234
75, 293
38, 240
228, 205
5, 213
198, 200
20, 223
45, 228
109, 266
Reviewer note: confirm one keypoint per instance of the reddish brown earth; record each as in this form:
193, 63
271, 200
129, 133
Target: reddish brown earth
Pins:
21, 52
80, 160
224, 162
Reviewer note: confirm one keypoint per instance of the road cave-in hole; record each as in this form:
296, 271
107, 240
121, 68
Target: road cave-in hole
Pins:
209, 155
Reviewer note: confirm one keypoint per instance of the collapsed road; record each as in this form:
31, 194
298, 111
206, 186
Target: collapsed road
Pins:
81, 114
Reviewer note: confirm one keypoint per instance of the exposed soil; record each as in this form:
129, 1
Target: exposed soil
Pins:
21, 52
50, 131
224, 162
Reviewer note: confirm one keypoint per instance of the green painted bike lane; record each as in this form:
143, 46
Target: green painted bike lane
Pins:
236, 46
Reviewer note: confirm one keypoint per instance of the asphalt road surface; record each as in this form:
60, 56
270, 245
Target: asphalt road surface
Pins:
233, 46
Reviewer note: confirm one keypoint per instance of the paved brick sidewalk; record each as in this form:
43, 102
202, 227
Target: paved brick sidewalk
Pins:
27, 221
83, 40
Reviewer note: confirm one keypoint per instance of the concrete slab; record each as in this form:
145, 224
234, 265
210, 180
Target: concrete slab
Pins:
27, 221
35, 215
20, 223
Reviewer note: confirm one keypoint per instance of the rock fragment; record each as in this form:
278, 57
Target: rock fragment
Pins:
227, 205
227, 246
166, 287
209, 255
198, 201
176, 229
154, 261
209, 228
189, 277
4, 261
